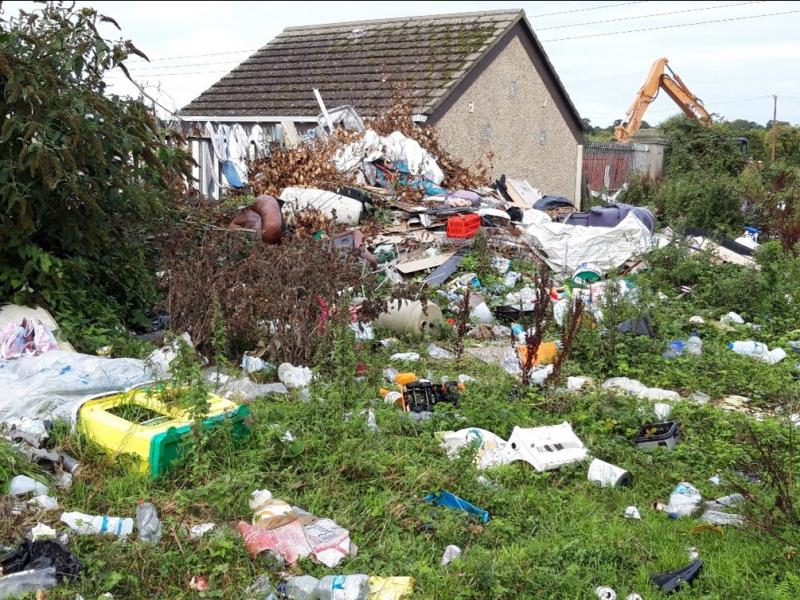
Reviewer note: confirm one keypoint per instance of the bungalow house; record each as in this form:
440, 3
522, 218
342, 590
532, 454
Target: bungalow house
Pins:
481, 78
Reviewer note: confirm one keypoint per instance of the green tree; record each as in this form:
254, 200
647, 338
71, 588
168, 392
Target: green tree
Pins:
84, 176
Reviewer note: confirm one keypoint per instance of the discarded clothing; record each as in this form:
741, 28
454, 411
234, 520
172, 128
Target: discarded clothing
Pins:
672, 581
30, 337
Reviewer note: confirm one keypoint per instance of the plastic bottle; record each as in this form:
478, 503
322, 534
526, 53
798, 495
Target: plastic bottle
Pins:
694, 345
518, 331
674, 349
22, 485
749, 348
26, 582
303, 587
147, 523
390, 374
99, 524
343, 587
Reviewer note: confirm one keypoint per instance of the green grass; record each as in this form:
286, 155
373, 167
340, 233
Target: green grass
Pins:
551, 535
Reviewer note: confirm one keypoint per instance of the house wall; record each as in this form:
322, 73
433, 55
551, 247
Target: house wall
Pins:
509, 112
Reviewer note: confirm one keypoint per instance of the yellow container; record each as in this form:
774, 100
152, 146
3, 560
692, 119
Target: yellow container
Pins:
137, 422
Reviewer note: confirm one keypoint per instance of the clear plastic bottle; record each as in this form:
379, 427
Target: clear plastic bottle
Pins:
147, 523
694, 345
301, 588
98, 524
749, 348
26, 582
343, 587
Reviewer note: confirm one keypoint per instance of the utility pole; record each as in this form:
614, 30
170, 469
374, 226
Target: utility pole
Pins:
774, 124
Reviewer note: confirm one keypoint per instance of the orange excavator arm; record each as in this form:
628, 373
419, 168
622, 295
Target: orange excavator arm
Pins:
656, 80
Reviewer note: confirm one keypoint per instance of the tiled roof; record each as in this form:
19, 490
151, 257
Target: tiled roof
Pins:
356, 63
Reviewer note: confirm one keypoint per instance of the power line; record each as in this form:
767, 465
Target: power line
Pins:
121, 76
588, 8
149, 68
563, 12
729, 19
661, 14
199, 55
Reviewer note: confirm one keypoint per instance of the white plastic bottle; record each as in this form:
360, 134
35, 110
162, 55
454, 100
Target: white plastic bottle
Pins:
749, 348
98, 525
694, 345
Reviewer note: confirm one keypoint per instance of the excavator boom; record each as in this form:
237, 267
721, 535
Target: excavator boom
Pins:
656, 80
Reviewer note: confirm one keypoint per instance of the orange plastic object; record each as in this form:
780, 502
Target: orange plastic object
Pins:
463, 226
405, 378
546, 354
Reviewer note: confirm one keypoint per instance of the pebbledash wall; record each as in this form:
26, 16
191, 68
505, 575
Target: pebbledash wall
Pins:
508, 111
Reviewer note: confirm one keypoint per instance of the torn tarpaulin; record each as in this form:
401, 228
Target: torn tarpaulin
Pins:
568, 246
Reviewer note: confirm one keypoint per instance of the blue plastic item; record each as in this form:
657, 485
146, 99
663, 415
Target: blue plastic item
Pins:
231, 175
449, 500
675, 349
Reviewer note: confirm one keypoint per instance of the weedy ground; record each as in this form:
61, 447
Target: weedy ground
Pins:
551, 535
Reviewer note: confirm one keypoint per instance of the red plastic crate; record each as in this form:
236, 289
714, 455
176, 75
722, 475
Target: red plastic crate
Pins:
463, 226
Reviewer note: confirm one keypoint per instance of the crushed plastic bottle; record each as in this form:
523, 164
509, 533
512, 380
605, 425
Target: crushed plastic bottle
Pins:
684, 501
98, 524
26, 582
451, 553
435, 351
694, 345
147, 523
343, 587
303, 587
22, 485
260, 589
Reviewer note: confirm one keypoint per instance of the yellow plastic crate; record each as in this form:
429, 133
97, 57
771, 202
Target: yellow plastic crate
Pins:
154, 436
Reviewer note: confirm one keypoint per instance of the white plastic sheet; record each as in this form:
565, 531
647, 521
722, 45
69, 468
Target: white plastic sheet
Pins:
393, 147
297, 199
53, 384
567, 246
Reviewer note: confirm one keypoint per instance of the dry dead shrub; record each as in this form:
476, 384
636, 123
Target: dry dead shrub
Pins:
286, 295
398, 117
310, 164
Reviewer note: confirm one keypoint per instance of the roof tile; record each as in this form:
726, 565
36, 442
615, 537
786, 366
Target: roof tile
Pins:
428, 55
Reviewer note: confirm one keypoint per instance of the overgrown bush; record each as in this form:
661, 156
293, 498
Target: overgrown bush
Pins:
693, 147
696, 199
85, 177
287, 295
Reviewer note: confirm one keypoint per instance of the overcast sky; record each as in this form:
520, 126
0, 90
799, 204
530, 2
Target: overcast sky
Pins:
732, 62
